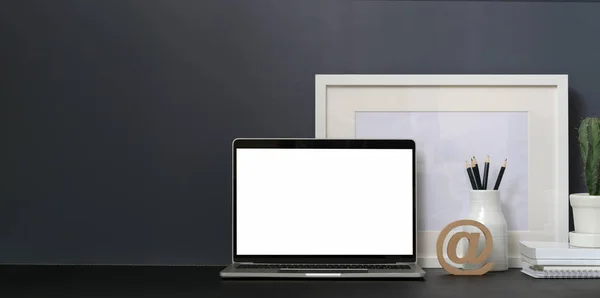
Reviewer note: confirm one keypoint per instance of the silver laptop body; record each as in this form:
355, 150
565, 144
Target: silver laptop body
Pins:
323, 208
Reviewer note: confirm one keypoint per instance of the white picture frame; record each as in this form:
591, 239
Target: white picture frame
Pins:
339, 98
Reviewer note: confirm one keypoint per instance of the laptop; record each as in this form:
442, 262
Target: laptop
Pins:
323, 208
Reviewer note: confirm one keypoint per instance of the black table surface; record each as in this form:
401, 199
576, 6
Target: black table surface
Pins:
123, 281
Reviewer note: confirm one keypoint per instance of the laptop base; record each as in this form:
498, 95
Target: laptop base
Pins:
232, 271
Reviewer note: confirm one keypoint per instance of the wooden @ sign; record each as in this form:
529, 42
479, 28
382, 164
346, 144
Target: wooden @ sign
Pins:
471, 255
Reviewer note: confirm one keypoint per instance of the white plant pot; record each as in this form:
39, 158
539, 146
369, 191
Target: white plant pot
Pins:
586, 213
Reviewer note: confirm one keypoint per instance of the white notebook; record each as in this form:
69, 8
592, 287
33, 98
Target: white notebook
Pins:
537, 271
560, 262
557, 250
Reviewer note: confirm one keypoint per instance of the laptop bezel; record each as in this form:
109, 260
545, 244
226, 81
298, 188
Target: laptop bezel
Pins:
333, 144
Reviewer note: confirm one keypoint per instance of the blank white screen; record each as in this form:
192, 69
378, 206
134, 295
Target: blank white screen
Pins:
324, 202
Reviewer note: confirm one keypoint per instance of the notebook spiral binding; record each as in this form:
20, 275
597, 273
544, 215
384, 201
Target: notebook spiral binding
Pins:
571, 274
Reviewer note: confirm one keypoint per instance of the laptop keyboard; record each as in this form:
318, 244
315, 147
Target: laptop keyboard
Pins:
324, 266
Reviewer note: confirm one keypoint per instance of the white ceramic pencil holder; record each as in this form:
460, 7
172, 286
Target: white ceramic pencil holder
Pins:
485, 207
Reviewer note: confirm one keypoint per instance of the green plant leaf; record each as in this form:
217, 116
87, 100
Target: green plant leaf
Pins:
589, 142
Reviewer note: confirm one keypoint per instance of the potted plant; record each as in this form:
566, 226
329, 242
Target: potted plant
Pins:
586, 206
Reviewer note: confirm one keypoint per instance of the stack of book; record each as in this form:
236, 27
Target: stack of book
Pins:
559, 260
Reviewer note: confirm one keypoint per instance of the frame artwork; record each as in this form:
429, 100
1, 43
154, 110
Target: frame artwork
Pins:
522, 118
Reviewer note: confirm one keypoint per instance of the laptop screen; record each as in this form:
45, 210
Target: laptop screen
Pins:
327, 201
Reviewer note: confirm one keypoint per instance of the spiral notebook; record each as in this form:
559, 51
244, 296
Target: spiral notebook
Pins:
538, 271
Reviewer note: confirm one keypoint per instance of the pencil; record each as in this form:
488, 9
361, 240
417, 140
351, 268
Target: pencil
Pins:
486, 170
500, 174
470, 173
476, 173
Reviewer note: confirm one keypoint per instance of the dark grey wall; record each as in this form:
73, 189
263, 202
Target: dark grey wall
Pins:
117, 116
